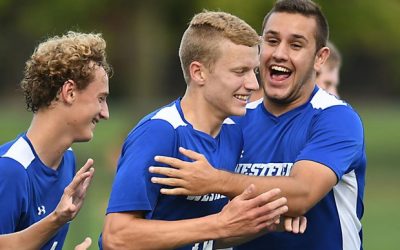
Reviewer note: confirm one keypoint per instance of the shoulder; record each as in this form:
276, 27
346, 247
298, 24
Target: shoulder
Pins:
167, 116
12, 170
158, 126
15, 158
329, 107
17, 153
254, 104
323, 100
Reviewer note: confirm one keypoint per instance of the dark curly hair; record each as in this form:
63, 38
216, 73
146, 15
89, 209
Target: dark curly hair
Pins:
73, 56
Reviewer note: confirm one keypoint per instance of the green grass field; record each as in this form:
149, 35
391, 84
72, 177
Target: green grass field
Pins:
382, 123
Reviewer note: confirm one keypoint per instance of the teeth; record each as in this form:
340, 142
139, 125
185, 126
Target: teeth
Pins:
281, 69
242, 97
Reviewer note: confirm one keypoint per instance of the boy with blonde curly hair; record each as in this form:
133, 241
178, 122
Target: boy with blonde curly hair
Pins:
65, 86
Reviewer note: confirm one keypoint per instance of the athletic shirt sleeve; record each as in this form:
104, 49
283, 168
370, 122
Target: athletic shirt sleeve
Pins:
336, 139
132, 189
14, 192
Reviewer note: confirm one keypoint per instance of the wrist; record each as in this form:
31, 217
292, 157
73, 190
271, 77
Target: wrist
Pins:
56, 219
218, 227
62, 216
222, 182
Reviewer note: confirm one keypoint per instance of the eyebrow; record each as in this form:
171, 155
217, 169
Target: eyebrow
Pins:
296, 36
300, 37
104, 94
270, 32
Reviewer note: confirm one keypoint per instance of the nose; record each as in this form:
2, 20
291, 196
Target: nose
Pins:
280, 52
251, 82
104, 112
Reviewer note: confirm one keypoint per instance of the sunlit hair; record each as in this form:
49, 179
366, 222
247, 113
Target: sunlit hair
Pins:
73, 56
202, 38
306, 8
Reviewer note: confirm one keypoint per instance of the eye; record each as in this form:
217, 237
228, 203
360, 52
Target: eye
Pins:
272, 41
296, 46
240, 71
102, 99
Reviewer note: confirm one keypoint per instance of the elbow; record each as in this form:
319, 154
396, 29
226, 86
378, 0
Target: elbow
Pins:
119, 238
111, 241
118, 233
297, 210
300, 205
115, 238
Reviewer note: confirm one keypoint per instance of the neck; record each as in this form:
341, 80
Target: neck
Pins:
48, 138
201, 115
278, 107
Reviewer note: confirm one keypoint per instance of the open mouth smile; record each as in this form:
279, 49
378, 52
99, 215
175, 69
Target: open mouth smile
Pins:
279, 73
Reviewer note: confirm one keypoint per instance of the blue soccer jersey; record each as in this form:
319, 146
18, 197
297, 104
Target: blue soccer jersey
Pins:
324, 130
162, 133
29, 190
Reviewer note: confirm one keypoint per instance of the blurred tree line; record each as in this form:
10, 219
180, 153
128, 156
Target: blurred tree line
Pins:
142, 45
143, 39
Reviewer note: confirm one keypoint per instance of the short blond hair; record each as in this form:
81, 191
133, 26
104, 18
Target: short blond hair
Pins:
201, 40
73, 56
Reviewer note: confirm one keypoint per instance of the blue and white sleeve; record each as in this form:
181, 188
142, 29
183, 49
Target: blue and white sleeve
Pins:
132, 189
336, 139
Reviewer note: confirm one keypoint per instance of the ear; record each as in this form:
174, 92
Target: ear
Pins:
68, 92
197, 73
320, 58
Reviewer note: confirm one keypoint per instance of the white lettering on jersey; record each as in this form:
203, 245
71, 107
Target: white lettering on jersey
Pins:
53, 247
41, 210
205, 198
207, 245
264, 169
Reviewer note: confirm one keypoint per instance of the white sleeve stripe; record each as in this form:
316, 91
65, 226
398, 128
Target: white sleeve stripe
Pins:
345, 193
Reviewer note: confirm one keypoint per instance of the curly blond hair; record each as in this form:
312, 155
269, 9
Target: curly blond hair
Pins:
73, 56
201, 40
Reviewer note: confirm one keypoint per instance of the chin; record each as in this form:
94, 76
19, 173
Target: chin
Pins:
279, 95
84, 138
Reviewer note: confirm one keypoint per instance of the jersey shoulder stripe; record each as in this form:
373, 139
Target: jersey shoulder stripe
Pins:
254, 104
171, 115
323, 100
21, 152
229, 121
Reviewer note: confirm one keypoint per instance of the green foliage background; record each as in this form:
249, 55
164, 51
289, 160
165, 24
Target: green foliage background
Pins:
143, 39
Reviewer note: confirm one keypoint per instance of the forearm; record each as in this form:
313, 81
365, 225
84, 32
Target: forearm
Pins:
140, 233
235, 241
32, 237
296, 192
